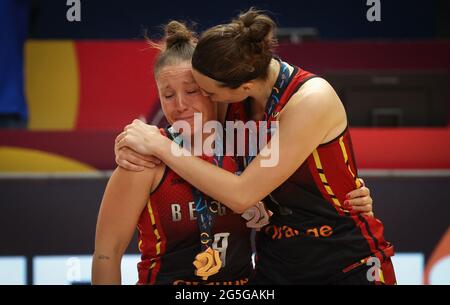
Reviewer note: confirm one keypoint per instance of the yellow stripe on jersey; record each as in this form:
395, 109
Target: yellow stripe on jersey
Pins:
317, 160
155, 229
382, 276
344, 153
323, 178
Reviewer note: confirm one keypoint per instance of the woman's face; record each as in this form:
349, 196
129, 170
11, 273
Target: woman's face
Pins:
181, 96
217, 93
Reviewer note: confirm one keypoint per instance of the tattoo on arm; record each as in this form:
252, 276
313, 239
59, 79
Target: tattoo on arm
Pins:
102, 256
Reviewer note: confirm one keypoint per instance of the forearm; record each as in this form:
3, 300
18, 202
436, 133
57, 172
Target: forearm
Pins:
106, 269
224, 186
259, 178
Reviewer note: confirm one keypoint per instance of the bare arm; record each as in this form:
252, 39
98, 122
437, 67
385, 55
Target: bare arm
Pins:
309, 117
302, 129
123, 201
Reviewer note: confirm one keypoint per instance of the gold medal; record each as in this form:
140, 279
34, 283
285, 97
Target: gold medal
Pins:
207, 263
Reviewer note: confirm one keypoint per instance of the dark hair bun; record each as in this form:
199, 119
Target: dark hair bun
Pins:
237, 52
254, 25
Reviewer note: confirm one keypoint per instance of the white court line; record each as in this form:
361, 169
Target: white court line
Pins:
106, 174
404, 173
56, 175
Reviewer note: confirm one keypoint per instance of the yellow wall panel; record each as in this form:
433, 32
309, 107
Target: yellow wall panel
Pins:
51, 84
16, 159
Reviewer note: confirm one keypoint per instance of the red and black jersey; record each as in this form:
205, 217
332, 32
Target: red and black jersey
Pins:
311, 238
169, 237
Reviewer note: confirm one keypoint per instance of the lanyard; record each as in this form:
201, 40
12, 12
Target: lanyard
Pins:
273, 106
205, 213
205, 217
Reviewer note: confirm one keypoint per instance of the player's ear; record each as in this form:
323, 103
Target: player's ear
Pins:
247, 86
